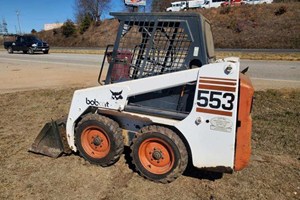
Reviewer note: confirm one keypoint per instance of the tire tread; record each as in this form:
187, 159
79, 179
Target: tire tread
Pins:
183, 161
118, 137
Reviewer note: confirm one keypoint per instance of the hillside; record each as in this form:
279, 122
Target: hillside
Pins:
256, 26
268, 26
274, 25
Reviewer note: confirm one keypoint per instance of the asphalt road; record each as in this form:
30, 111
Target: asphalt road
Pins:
274, 70
22, 71
86, 60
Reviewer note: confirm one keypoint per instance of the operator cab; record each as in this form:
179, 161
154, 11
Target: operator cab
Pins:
154, 44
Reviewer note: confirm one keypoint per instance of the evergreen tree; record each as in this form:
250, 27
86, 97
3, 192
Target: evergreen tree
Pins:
85, 23
33, 31
68, 29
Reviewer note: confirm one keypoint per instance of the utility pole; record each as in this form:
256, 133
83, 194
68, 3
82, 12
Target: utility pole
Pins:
18, 13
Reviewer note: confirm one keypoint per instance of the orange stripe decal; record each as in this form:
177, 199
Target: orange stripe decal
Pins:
217, 82
213, 87
223, 79
217, 112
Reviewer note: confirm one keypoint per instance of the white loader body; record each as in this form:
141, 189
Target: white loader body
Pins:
209, 129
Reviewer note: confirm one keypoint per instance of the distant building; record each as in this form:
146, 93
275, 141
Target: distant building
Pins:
48, 27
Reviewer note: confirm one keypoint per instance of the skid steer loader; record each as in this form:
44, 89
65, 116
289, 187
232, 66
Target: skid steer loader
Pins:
166, 96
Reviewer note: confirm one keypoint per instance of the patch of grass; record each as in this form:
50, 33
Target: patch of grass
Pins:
220, 54
260, 56
78, 51
276, 121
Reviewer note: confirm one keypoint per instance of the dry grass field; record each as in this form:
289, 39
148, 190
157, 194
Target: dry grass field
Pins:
273, 173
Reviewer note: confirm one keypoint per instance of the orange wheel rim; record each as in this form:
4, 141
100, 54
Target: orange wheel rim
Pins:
95, 142
156, 156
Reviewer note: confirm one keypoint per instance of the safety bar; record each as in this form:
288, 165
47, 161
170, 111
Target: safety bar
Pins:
103, 62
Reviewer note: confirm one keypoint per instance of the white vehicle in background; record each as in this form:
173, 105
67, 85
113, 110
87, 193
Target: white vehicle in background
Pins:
176, 6
184, 5
257, 1
212, 3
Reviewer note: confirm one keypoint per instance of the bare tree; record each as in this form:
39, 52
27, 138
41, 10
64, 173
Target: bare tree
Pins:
93, 8
3, 27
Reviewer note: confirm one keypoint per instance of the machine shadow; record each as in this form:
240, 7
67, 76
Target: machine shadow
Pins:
194, 172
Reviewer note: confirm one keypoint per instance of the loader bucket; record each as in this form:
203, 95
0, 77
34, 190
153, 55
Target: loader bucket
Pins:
51, 141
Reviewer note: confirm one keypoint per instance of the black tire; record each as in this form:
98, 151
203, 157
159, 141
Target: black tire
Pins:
30, 51
99, 140
159, 154
25, 52
10, 50
46, 52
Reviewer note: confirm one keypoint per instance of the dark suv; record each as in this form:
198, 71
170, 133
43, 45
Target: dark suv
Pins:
27, 44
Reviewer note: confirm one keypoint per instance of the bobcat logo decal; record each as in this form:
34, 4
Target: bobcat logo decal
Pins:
116, 95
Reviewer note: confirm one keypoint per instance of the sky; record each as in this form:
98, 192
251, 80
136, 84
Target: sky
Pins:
33, 14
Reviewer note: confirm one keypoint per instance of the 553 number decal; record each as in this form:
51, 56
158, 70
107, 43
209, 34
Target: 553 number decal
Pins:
215, 100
